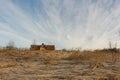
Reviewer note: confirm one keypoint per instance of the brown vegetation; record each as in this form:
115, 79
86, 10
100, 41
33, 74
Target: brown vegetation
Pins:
59, 65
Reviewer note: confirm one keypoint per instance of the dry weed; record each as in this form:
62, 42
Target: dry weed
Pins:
8, 64
96, 64
114, 58
109, 77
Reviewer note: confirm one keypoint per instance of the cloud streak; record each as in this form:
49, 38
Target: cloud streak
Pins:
68, 24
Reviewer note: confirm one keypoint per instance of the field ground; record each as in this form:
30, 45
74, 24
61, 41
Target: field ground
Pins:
59, 65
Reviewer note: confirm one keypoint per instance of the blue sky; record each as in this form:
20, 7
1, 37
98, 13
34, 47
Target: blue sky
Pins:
89, 24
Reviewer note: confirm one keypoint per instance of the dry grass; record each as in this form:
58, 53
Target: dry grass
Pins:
7, 64
93, 56
59, 65
76, 55
109, 77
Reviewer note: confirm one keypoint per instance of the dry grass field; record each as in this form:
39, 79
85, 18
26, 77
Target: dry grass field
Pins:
59, 65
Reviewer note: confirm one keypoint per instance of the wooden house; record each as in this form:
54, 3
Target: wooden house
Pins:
42, 47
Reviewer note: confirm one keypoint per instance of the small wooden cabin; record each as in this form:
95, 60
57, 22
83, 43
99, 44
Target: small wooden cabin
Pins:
43, 46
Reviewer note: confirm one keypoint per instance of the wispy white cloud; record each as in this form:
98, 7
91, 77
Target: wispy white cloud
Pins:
66, 23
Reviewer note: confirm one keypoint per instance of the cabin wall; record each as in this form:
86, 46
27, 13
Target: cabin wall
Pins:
50, 47
37, 47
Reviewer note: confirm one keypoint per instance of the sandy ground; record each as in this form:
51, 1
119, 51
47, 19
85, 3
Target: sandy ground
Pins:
40, 66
